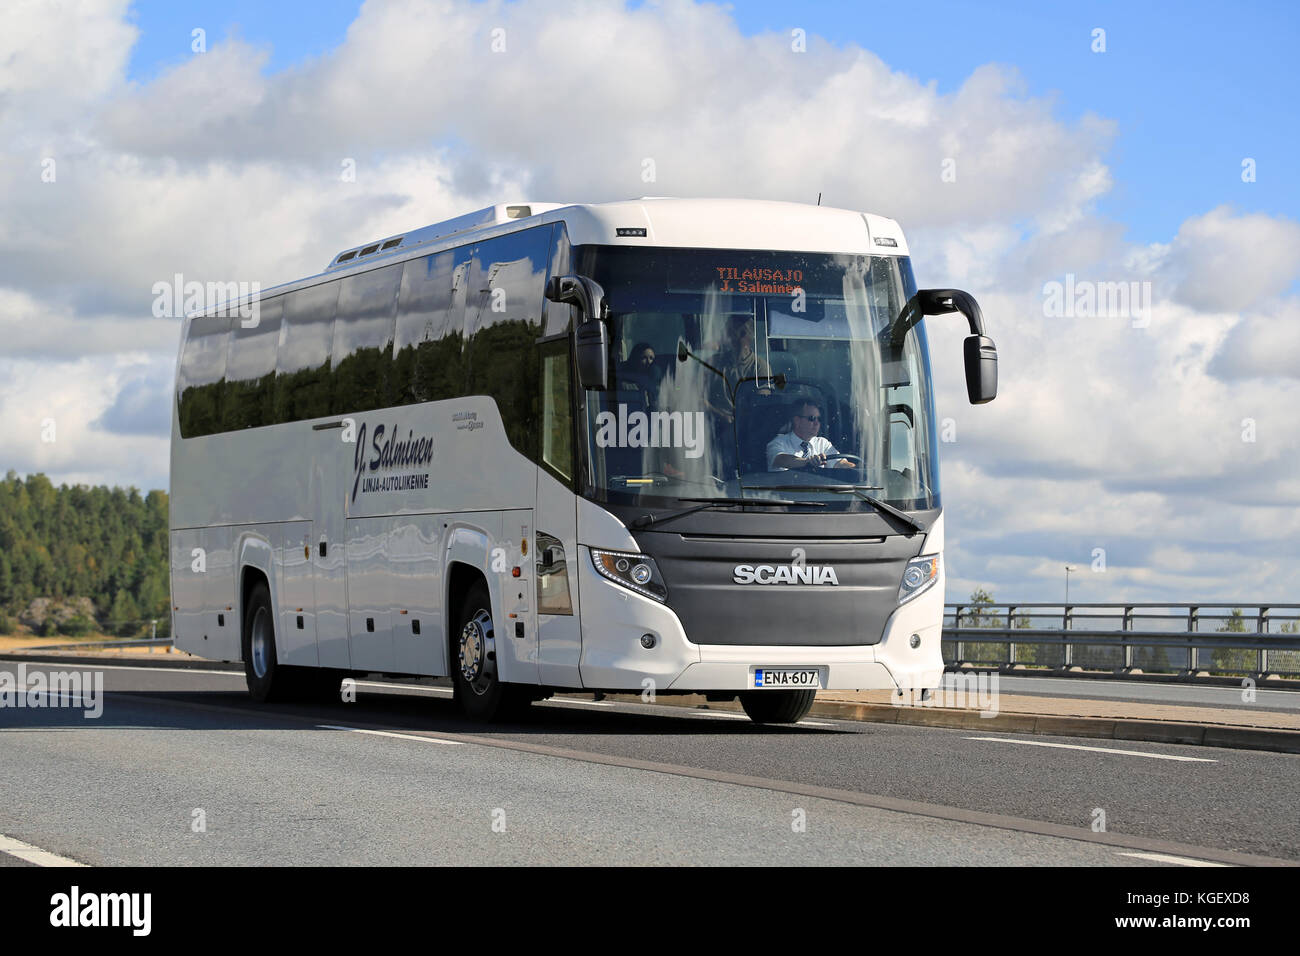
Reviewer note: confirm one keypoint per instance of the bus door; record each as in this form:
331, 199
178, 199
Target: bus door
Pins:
559, 644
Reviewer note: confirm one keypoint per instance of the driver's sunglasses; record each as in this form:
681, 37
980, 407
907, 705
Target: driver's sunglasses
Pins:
810, 418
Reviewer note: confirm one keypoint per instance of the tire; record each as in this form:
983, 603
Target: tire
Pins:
479, 692
266, 679
777, 706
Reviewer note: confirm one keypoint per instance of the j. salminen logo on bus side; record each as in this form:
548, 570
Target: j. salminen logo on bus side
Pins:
389, 450
651, 430
66, 689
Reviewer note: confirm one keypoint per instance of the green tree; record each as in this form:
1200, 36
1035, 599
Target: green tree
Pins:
106, 544
980, 613
1233, 661
124, 616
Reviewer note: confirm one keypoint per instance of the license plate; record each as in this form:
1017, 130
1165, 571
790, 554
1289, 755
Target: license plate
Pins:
793, 677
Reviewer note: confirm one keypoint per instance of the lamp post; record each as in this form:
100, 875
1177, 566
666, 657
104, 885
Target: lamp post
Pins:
1068, 569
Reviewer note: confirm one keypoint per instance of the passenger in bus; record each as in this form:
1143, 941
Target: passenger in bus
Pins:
799, 445
738, 362
639, 373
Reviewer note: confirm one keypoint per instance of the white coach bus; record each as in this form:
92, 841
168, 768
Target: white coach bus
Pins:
685, 445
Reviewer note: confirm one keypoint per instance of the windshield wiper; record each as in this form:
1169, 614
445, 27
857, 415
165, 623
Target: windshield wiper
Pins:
644, 521
861, 493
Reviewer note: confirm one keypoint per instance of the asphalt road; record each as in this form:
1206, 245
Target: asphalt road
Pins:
182, 768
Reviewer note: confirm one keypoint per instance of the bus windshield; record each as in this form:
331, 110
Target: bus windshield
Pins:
760, 375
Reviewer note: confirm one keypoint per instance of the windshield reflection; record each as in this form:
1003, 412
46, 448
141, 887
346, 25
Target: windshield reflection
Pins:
720, 393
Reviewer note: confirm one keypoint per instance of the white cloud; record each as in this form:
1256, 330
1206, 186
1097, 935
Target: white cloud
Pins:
1104, 434
1263, 345
1225, 261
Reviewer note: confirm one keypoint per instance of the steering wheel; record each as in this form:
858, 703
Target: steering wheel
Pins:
837, 456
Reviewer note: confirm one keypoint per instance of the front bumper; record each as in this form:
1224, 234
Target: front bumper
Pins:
613, 658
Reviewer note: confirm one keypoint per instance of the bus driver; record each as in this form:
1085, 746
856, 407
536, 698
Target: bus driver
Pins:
801, 446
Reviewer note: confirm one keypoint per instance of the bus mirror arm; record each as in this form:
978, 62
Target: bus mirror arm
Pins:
978, 350
581, 291
592, 336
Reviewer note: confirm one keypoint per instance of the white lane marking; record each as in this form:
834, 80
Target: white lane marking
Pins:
445, 691
33, 854
385, 733
1176, 860
815, 723
718, 713
584, 703
1100, 750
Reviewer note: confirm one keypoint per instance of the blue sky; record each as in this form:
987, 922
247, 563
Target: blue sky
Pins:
1194, 86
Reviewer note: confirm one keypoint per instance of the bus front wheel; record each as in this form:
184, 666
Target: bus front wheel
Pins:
777, 706
479, 690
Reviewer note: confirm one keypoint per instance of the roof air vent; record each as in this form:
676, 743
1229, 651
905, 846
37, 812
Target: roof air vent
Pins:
346, 256
392, 243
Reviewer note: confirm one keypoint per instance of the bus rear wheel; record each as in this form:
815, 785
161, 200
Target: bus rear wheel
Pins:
267, 680
266, 677
777, 706
478, 687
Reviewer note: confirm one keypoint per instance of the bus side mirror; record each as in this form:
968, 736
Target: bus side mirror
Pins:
593, 354
981, 369
592, 337
980, 353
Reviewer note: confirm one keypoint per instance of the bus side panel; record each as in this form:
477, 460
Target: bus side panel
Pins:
297, 598
476, 540
417, 582
187, 592
220, 602
254, 549
369, 595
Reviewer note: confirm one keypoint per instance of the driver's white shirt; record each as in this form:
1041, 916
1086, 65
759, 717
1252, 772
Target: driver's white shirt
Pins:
788, 443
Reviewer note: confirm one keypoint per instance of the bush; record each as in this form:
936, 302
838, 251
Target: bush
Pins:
77, 626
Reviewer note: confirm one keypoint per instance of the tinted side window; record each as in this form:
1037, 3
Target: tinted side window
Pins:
302, 379
200, 379
250, 368
428, 360
503, 323
362, 356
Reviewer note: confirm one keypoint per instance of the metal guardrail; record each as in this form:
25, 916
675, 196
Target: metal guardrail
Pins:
75, 645
1254, 639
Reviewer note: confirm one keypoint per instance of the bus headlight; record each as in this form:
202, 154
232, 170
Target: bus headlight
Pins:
635, 571
919, 574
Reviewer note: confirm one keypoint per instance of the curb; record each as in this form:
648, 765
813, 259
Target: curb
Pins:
1056, 673
1104, 728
